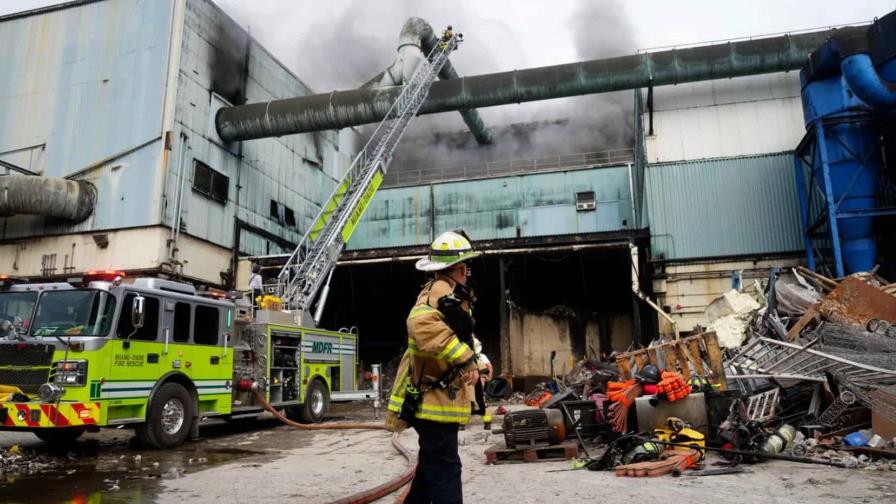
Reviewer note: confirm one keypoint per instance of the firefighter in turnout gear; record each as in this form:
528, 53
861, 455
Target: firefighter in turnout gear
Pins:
432, 390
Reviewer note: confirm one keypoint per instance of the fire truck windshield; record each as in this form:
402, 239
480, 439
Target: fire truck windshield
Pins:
85, 312
16, 309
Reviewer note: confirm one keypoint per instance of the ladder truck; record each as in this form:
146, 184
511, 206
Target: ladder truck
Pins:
105, 350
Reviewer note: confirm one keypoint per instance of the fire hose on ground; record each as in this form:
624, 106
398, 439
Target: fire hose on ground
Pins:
366, 495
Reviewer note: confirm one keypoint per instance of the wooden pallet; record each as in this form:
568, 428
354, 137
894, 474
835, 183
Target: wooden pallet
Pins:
699, 351
500, 454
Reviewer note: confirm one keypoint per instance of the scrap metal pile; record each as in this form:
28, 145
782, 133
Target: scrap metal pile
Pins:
829, 347
800, 367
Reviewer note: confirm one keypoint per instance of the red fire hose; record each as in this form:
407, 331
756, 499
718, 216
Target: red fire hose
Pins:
366, 495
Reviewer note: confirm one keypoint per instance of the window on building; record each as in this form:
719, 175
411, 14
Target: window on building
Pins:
205, 330
282, 214
289, 217
209, 182
150, 329
182, 315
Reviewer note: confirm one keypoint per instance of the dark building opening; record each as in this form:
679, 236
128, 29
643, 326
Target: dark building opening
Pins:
575, 302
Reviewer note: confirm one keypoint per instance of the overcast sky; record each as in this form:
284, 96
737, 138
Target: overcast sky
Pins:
518, 33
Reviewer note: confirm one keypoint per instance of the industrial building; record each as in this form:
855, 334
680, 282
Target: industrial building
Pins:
706, 197
126, 102
716, 200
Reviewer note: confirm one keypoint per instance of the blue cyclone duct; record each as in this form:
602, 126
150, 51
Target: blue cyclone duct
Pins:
845, 97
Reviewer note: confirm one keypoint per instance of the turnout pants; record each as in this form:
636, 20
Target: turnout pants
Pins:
437, 480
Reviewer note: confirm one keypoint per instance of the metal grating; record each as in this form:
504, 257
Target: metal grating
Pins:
29, 380
18, 354
763, 405
769, 358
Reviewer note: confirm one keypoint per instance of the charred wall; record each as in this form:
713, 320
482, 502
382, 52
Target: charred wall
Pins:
575, 302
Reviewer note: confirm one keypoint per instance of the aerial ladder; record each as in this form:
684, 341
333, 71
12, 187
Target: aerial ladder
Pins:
310, 267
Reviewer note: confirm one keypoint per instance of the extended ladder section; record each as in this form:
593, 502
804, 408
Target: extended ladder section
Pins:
314, 258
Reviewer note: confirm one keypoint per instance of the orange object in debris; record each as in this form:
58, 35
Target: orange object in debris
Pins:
673, 386
671, 462
540, 400
545, 398
622, 401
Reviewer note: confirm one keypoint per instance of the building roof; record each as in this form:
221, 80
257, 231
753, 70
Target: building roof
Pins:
46, 9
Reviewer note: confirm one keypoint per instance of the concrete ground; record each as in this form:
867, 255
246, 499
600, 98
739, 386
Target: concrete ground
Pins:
264, 461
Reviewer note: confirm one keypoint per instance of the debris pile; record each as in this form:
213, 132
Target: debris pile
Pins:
800, 367
22, 462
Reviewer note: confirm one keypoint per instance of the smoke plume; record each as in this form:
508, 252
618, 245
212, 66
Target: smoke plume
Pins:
342, 49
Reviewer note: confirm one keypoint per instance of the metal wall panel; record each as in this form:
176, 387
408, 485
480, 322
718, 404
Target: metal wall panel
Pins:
397, 217
86, 84
725, 118
298, 171
524, 206
723, 207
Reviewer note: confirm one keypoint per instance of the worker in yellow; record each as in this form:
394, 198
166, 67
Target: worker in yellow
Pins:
446, 37
437, 371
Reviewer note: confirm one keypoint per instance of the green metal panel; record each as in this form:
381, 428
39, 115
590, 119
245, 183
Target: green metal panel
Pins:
485, 209
397, 217
523, 206
723, 207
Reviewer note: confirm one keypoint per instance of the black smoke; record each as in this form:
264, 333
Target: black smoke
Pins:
349, 48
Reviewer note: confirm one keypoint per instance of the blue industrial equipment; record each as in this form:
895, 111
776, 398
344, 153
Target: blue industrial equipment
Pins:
840, 169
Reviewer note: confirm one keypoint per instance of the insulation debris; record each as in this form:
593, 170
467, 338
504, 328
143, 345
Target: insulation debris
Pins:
729, 316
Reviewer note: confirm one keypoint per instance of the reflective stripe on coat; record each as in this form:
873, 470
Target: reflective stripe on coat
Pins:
433, 349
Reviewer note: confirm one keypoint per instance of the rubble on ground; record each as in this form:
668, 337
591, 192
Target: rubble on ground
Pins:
798, 367
19, 461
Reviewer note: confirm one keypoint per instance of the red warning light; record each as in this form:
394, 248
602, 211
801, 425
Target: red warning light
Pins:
103, 275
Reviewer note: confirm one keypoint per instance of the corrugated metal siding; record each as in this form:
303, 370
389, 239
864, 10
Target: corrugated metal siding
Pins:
89, 82
280, 169
723, 207
398, 217
522, 206
725, 118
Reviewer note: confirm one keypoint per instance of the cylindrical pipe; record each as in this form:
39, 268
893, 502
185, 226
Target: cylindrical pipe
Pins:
854, 46
863, 80
322, 299
59, 198
339, 109
471, 117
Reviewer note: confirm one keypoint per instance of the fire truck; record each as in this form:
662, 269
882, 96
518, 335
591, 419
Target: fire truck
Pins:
158, 355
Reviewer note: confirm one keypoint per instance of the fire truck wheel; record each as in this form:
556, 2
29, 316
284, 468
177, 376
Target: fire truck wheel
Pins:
168, 419
317, 403
59, 436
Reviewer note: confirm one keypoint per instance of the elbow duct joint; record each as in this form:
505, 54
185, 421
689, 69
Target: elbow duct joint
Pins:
864, 81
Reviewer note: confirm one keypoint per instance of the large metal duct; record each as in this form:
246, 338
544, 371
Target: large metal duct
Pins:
417, 39
846, 90
340, 109
60, 198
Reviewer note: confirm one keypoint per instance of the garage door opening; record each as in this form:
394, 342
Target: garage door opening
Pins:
577, 303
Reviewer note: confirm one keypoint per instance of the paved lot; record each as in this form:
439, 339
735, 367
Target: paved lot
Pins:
265, 461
